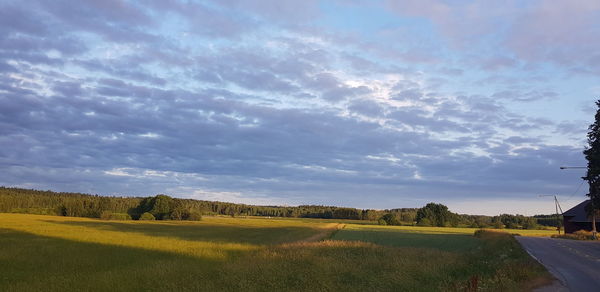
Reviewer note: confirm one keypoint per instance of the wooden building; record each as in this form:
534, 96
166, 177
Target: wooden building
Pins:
577, 218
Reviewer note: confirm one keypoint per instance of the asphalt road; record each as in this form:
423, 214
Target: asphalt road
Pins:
576, 264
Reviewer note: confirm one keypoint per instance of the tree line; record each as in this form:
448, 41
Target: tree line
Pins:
434, 214
163, 207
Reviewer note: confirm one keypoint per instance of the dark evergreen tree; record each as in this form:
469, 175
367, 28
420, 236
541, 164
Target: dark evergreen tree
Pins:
592, 155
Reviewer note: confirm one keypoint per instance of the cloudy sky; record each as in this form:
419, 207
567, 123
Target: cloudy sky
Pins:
369, 104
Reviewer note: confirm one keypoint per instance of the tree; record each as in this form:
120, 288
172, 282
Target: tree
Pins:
346, 213
435, 214
160, 206
592, 155
389, 219
424, 222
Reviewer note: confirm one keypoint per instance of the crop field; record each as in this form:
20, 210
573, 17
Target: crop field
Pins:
50, 253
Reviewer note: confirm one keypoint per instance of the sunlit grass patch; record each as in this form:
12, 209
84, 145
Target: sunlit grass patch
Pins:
206, 239
401, 237
447, 230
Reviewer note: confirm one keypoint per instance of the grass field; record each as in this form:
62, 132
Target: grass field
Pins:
49, 253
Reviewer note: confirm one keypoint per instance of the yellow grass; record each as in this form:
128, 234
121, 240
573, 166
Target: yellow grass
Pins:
211, 238
449, 230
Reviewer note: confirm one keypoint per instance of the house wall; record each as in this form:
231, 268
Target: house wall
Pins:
570, 227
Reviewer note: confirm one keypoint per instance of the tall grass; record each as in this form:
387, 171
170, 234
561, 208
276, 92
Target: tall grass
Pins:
490, 260
49, 253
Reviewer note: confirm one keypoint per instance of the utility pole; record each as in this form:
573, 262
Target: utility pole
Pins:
556, 207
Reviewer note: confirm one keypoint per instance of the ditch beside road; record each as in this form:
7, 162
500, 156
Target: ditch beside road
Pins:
576, 264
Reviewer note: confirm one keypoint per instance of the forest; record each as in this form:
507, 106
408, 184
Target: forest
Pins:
163, 207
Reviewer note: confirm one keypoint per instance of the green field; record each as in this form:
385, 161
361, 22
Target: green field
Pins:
50, 253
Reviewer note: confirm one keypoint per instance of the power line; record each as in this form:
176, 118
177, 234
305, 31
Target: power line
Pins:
575, 192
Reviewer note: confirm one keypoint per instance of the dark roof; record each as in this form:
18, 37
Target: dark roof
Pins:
578, 213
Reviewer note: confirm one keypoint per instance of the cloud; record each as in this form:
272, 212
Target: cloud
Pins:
234, 101
536, 32
532, 95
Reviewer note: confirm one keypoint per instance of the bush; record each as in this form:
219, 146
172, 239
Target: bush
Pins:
147, 216
184, 214
480, 233
389, 219
119, 216
577, 235
107, 215
424, 222
38, 211
498, 225
178, 214
194, 216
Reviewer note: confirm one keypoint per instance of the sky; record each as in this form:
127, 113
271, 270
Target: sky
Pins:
367, 104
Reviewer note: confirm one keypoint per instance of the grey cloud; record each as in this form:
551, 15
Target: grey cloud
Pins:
112, 19
575, 128
408, 94
541, 32
419, 118
17, 18
366, 107
532, 95
521, 140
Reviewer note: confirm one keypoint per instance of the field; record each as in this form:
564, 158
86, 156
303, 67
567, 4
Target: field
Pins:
49, 253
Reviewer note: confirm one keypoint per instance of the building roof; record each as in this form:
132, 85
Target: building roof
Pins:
578, 213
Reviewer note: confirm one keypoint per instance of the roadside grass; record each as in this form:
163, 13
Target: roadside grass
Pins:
448, 230
577, 235
491, 260
51, 253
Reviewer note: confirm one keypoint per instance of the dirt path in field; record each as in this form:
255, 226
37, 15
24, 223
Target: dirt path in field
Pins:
327, 231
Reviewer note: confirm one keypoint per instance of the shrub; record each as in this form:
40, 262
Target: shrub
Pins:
194, 216
577, 235
147, 216
119, 216
39, 211
178, 214
389, 219
498, 225
107, 215
481, 233
424, 222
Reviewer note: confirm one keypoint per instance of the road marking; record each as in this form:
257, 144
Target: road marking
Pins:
535, 258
